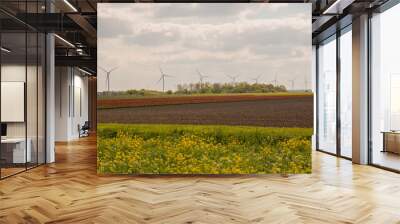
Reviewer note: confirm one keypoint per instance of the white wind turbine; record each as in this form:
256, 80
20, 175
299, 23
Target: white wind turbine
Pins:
256, 79
292, 83
163, 76
233, 78
108, 73
275, 81
201, 77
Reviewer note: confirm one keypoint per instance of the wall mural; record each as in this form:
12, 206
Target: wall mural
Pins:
204, 88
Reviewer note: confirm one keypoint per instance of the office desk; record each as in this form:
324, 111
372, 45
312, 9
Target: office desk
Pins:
391, 141
13, 150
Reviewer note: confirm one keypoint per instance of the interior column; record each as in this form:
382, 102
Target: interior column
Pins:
360, 90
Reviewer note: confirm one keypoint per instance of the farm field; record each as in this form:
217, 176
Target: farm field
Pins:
249, 110
194, 149
219, 134
135, 101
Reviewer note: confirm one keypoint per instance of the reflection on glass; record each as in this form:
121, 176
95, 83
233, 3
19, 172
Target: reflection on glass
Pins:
346, 94
14, 153
41, 99
327, 96
31, 100
385, 84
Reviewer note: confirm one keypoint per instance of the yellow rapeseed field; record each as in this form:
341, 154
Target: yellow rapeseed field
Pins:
188, 149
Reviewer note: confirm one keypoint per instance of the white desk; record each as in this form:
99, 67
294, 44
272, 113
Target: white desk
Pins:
18, 155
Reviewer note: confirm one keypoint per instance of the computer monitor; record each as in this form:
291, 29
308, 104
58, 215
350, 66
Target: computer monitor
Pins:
3, 129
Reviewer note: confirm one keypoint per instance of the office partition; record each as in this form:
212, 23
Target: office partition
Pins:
22, 77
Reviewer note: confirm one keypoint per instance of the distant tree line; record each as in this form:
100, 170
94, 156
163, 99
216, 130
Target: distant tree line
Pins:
241, 87
204, 88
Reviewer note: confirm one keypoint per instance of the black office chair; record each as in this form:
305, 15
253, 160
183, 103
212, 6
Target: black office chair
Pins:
84, 130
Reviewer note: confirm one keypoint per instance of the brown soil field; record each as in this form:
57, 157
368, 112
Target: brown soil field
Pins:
139, 102
278, 111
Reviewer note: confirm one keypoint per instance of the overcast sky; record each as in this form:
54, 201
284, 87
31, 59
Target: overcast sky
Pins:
245, 40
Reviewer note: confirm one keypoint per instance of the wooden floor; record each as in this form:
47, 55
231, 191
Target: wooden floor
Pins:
69, 191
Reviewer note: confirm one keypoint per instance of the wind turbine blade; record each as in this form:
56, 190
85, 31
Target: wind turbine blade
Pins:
104, 70
159, 80
159, 67
113, 69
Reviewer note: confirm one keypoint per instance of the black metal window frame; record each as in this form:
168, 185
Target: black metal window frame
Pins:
30, 30
381, 9
334, 37
389, 4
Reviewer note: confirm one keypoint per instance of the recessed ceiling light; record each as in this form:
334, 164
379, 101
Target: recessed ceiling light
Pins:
64, 40
338, 6
5, 50
84, 71
70, 5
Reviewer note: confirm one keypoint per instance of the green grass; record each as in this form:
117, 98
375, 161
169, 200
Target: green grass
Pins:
202, 149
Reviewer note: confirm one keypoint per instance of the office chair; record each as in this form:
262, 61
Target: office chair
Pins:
84, 130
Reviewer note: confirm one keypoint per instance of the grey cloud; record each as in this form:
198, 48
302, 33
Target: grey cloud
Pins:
197, 10
113, 27
166, 34
152, 38
258, 40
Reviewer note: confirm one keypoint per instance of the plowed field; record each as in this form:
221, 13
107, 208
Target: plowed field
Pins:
248, 110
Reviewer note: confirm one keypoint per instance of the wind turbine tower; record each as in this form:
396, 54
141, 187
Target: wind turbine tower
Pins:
292, 82
275, 81
201, 77
233, 78
163, 76
108, 73
256, 79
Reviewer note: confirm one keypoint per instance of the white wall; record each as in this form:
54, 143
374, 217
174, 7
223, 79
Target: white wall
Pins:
70, 83
62, 82
33, 126
16, 73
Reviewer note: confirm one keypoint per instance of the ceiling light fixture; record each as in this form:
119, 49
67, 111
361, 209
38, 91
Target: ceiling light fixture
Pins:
5, 50
64, 40
70, 5
337, 7
84, 71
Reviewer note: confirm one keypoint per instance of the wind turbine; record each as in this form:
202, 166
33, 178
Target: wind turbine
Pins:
233, 78
201, 77
292, 82
275, 81
108, 73
163, 76
256, 79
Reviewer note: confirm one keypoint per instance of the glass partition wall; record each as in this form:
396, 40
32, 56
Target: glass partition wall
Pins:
345, 61
334, 84
327, 95
22, 78
385, 89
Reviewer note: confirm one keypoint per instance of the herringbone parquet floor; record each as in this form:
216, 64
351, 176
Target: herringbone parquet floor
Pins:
69, 191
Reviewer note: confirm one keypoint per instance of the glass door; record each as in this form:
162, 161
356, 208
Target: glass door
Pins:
327, 96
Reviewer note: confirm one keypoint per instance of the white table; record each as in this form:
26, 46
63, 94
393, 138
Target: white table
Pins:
19, 153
